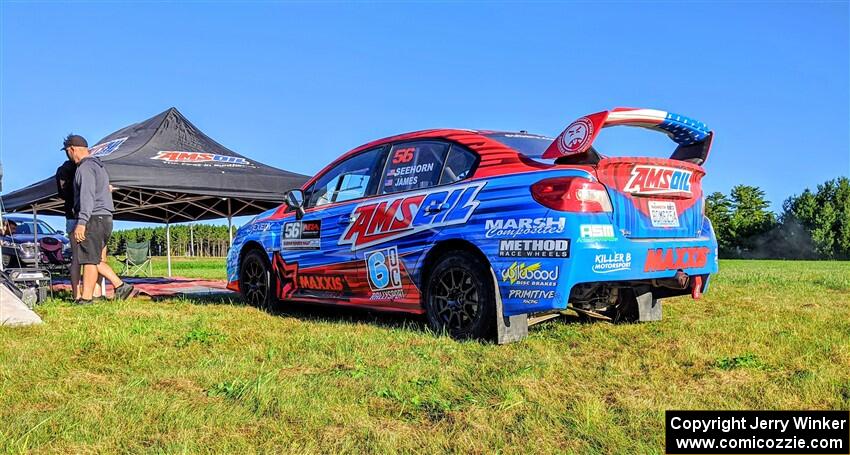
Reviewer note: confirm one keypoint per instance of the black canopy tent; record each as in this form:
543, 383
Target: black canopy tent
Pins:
166, 170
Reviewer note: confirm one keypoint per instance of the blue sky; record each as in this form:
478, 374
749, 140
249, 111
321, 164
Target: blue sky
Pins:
296, 84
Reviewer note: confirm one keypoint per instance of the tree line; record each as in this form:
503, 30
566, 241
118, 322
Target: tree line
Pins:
812, 225
204, 240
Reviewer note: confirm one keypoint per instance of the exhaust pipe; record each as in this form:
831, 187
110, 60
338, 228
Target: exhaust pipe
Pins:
679, 281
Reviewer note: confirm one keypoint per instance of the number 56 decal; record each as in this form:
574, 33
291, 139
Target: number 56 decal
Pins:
302, 235
403, 155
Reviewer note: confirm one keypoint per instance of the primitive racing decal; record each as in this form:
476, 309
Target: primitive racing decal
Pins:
302, 235
390, 218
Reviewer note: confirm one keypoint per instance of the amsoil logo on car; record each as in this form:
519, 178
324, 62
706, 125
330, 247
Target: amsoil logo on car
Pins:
192, 158
395, 217
660, 259
658, 180
535, 248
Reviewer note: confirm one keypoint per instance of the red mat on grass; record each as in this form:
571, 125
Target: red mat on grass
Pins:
161, 287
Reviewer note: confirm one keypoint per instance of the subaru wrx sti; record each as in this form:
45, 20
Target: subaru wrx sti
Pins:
486, 231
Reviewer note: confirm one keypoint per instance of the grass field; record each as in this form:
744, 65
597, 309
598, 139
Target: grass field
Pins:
211, 268
197, 376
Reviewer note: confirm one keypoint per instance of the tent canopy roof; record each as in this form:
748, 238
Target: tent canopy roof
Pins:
164, 169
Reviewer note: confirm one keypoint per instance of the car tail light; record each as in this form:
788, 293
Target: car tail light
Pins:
572, 194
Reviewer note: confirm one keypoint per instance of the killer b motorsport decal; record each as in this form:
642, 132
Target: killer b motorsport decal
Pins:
658, 180
302, 235
390, 218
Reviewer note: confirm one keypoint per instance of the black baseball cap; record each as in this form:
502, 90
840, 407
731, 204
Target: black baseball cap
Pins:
74, 140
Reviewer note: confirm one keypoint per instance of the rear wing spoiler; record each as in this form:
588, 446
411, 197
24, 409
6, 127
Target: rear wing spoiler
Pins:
692, 136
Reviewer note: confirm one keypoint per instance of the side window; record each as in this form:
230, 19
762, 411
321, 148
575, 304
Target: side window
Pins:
413, 165
348, 180
459, 165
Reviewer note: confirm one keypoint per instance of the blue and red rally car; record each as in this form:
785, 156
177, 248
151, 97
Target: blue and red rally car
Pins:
485, 232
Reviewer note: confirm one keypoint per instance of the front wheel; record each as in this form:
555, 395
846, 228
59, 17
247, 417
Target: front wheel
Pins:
459, 297
255, 281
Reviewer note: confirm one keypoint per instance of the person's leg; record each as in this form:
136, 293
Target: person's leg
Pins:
98, 292
89, 256
122, 289
74, 267
75, 277
104, 269
89, 280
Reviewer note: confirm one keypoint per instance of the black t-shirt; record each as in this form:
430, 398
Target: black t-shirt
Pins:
65, 186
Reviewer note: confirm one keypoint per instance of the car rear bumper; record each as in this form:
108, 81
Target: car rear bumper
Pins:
617, 260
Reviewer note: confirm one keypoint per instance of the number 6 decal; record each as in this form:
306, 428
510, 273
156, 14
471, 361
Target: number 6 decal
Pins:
383, 269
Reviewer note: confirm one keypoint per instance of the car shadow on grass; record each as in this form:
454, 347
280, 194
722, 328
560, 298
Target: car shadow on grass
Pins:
316, 312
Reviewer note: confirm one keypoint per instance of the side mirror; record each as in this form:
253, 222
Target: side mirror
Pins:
60, 232
295, 200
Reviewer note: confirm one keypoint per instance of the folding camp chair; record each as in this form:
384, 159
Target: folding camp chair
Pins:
137, 259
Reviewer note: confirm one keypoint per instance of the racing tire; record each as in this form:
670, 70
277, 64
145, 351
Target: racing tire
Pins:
459, 297
256, 283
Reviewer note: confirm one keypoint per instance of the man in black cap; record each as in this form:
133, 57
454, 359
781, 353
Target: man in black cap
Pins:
93, 208
65, 188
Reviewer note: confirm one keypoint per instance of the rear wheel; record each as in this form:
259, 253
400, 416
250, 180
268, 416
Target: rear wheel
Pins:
255, 280
459, 297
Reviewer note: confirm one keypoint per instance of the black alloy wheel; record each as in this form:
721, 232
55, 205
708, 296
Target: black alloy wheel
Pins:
255, 282
459, 297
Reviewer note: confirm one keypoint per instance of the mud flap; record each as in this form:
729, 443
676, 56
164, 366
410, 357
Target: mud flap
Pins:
649, 309
509, 329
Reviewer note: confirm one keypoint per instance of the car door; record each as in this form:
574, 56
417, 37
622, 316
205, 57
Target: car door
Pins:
411, 167
318, 267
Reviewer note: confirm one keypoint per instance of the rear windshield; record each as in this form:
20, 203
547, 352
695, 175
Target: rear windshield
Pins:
530, 145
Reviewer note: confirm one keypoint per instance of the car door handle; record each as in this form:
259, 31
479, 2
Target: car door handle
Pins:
345, 219
436, 208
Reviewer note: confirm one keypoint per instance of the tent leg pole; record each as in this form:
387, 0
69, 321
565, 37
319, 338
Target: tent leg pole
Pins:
230, 231
168, 246
229, 225
35, 233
